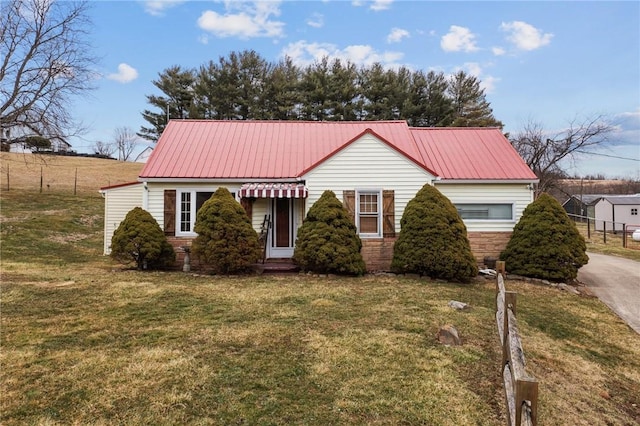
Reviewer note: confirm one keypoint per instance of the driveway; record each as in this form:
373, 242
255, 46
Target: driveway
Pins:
615, 281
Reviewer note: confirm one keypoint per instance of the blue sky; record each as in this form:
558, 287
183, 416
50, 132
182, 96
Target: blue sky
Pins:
545, 62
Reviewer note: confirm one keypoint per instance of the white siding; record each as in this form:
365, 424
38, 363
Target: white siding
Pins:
155, 204
117, 203
368, 163
624, 217
620, 213
603, 212
517, 194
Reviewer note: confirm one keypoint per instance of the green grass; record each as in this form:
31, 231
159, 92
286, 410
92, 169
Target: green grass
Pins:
613, 246
86, 341
51, 227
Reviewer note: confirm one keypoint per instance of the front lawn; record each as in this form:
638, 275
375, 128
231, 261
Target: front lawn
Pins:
84, 341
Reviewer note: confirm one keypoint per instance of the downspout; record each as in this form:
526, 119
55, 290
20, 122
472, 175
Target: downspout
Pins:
145, 196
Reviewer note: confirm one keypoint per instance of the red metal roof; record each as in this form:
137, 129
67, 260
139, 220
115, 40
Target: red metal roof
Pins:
209, 149
470, 153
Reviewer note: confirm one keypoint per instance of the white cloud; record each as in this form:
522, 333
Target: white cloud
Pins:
376, 5
487, 82
157, 7
379, 5
251, 19
316, 20
498, 51
126, 74
525, 36
303, 53
396, 35
458, 39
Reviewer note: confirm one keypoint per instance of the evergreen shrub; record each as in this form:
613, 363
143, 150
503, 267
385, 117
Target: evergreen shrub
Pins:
140, 239
545, 243
327, 242
226, 241
433, 239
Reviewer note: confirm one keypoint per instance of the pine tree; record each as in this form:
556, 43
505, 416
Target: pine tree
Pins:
433, 239
140, 239
327, 241
226, 241
470, 106
545, 243
177, 85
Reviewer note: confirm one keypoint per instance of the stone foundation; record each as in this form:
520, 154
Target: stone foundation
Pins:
487, 244
378, 252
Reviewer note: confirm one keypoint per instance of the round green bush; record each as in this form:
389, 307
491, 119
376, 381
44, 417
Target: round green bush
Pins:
545, 243
226, 241
327, 242
140, 239
433, 239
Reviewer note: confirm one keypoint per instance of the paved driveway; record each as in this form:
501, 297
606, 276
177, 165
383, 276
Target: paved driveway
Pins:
615, 281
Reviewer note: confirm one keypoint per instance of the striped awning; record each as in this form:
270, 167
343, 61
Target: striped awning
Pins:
273, 190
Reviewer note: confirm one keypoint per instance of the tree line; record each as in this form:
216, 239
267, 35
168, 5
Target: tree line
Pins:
245, 86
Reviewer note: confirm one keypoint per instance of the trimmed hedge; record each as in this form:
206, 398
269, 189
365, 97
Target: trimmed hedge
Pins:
226, 241
327, 242
139, 238
433, 240
545, 243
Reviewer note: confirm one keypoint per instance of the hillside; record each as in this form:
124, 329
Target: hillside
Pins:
62, 174
568, 187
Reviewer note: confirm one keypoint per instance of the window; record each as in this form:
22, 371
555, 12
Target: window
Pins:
368, 213
485, 211
189, 202
634, 212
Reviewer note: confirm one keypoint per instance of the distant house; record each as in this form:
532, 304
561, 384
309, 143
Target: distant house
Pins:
582, 204
57, 145
615, 211
609, 211
144, 155
278, 169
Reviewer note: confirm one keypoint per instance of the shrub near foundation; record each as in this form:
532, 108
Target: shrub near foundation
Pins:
433, 239
140, 239
327, 241
226, 241
545, 243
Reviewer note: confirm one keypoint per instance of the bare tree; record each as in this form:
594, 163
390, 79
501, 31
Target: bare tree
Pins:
544, 152
104, 148
45, 61
125, 141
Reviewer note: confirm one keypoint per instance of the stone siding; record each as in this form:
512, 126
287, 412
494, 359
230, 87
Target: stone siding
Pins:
488, 244
378, 252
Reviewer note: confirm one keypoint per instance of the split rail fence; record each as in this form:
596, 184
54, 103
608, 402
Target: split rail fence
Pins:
520, 389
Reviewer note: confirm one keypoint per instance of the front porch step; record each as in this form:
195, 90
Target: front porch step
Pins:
276, 266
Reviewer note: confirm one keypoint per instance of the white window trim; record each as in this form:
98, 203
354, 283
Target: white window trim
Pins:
377, 191
192, 219
512, 220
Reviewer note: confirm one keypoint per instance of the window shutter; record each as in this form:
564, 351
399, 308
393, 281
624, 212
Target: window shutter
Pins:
170, 212
388, 214
247, 205
349, 202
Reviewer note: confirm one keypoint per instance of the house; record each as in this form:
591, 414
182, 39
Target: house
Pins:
613, 212
144, 155
58, 145
278, 169
581, 204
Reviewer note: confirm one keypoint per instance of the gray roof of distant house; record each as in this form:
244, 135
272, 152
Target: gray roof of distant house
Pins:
617, 199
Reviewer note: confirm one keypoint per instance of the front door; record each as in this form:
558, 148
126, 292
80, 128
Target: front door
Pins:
283, 236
